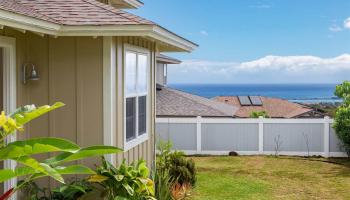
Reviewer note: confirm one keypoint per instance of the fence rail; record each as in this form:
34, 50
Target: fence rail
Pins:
219, 136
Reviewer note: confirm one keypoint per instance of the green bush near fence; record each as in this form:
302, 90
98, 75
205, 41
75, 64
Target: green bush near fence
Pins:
342, 115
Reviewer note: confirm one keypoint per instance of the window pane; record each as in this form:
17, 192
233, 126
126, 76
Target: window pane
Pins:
130, 75
142, 114
142, 73
130, 118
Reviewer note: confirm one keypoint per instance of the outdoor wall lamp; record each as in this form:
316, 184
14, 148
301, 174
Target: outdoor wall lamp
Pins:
32, 76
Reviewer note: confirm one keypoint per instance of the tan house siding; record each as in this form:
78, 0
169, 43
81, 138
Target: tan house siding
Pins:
146, 149
71, 71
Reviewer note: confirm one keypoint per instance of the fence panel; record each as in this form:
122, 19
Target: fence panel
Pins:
230, 137
182, 135
251, 136
294, 137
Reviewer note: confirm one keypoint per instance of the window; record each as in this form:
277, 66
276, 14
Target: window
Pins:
136, 96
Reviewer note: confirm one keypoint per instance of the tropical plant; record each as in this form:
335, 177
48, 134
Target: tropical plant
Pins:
181, 191
342, 115
163, 184
173, 170
257, 114
23, 151
182, 170
124, 183
70, 191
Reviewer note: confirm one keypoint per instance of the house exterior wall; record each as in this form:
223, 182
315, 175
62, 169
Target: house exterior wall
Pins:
160, 74
71, 71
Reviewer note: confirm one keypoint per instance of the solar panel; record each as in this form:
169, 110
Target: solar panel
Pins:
256, 101
244, 100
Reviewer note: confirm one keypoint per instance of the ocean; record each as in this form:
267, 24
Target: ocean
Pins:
305, 93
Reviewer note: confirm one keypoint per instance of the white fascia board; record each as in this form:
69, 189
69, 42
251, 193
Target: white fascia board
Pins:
126, 4
27, 23
170, 40
134, 3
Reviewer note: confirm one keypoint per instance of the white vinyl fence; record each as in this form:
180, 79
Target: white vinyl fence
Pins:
219, 136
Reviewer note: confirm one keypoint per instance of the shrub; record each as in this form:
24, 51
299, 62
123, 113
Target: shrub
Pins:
124, 183
342, 116
181, 191
182, 170
257, 114
23, 152
70, 191
163, 184
173, 168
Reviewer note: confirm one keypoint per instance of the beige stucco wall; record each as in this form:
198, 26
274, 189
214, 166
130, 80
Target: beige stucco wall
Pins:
71, 71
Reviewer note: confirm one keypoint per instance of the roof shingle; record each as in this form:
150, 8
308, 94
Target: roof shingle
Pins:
171, 102
73, 12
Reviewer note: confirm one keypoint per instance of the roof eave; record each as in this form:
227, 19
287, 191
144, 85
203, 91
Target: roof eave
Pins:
168, 60
127, 4
167, 41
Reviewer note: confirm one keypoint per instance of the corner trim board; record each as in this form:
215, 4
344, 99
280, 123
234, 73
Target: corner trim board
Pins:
10, 101
109, 95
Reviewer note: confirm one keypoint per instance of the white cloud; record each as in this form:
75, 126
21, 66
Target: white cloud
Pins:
267, 69
347, 23
298, 63
335, 28
203, 32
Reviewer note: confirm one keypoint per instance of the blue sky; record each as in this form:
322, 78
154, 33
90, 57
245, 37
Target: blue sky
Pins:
255, 41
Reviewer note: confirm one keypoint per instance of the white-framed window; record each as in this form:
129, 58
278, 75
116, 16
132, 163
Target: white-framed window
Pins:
136, 91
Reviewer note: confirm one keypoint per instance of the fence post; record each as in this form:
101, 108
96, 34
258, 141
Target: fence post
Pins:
199, 134
326, 136
261, 135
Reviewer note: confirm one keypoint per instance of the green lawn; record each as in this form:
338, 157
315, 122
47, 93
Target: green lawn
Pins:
264, 177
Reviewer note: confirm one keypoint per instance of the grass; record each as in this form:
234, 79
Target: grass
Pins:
265, 177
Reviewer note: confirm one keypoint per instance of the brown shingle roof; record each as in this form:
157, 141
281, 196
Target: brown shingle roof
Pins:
275, 108
72, 12
175, 103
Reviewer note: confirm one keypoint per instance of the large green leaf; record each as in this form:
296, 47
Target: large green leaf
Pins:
37, 146
82, 154
23, 115
40, 167
75, 169
8, 174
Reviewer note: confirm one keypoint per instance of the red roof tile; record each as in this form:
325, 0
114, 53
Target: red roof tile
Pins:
72, 12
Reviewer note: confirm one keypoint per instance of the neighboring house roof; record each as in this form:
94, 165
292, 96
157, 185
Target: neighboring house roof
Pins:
175, 103
85, 18
274, 107
167, 59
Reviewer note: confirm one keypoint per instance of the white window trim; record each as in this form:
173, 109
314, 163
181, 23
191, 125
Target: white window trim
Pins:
144, 137
10, 103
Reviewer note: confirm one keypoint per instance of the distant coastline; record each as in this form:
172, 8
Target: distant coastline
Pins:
303, 93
